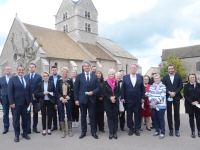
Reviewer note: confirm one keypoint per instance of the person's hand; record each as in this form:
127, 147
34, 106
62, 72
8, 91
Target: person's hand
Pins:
55, 107
172, 94
194, 103
112, 98
153, 104
45, 93
90, 93
64, 101
142, 100
77, 103
100, 98
123, 100
12, 106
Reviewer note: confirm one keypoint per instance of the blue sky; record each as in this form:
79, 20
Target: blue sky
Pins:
142, 27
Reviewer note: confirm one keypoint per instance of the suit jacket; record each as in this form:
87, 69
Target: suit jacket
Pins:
51, 78
175, 87
132, 94
81, 86
34, 83
19, 95
191, 94
107, 93
3, 90
40, 92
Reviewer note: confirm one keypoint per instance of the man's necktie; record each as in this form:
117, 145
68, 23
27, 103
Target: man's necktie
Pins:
22, 82
31, 77
88, 77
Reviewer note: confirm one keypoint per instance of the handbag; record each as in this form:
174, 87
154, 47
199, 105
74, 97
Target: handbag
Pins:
121, 106
37, 107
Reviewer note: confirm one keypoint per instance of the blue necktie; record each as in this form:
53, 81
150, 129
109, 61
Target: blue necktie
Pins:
31, 77
22, 82
88, 79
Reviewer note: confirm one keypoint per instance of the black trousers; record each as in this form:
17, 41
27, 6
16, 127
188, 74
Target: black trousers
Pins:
191, 120
122, 119
91, 109
55, 118
99, 120
47, 107
112, 111
176, 105
75, 113
20, 110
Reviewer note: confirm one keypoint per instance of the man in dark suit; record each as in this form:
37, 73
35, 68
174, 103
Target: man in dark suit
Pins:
85, 90
34, 79
133, 94
174, 85
54, 78
20, 100
4, 97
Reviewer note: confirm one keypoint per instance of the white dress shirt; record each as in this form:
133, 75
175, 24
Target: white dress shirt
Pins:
31, 75
23, 80
133, 79
46, 90
171, 76
55, 78
7, 79
87, 75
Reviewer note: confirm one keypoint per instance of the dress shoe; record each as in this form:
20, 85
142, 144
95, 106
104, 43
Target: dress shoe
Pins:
82, 135
152, 127
130, 132
177, 133
115, 136
156, 134
29, 132
148, 129
43, 134
16, 139
141, 129
122, 129
36, 131
26, 136
102, 130
95, 136
137, 133
5, 131
54, 128
161, 136
110, 136
171, 133
193, 135
49, 133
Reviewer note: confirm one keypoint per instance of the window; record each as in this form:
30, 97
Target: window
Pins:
64, 17
198, 66
89, 29
16, 37
15, 57
88, 16
56, 64
85, 26
65, 28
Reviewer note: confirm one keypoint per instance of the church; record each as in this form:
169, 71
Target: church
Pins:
74, 39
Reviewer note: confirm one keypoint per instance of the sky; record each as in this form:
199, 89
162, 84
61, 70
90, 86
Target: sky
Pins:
144, 27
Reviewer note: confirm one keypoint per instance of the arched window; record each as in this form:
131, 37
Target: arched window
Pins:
64, 28
56, 64
89, 29
88, 16
64, 17
198, 66
86, 27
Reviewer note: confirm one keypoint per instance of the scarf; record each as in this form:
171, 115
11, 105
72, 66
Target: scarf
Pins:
111, 82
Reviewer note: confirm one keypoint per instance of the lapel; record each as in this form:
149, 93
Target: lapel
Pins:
5, 80
169, 80
19, 81
42, 86
91, 77
129, 78
137, 80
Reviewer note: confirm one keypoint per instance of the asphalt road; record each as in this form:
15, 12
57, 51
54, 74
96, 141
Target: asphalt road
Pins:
124, 142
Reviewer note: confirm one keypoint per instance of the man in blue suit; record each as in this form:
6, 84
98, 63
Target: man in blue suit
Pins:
133, 94
54, 78
85, 90
20, 100
34, 79
4, 97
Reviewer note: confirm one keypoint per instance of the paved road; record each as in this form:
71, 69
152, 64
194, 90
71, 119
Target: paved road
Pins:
145, 142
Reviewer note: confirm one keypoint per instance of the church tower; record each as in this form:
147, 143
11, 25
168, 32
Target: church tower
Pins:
78, 19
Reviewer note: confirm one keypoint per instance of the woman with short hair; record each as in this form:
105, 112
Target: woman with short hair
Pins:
192, 101
111, 103
46, 93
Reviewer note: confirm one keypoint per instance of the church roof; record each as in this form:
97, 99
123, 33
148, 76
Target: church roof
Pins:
57, 44
182, 52
115, 49
96, 51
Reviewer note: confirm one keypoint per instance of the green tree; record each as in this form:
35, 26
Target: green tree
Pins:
178, 64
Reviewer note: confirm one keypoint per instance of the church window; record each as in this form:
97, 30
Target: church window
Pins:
64, 17
56, 64
86, 27
16, 37
198, 66
66, 28
89, 29
88, 16
15, 57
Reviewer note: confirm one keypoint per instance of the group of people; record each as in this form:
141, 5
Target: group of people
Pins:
142, 96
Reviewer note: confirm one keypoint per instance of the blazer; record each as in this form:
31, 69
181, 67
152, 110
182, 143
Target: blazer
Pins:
108, 93
175, 87
100, 104
3, 90
51, 78
132, 94
34, 84
81, 86
40, 92
191, 94
59, 91
19, 95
